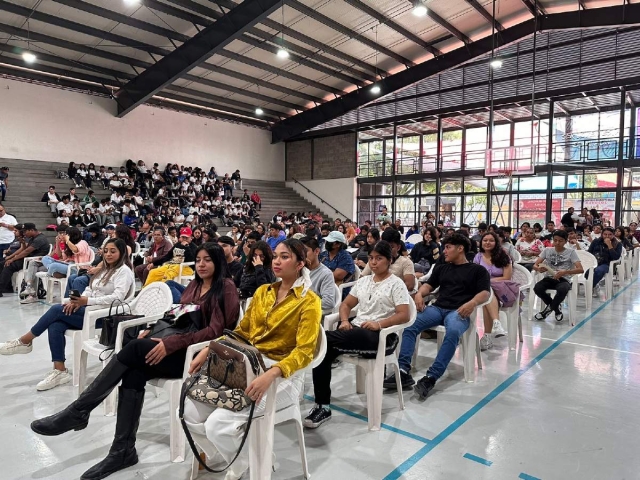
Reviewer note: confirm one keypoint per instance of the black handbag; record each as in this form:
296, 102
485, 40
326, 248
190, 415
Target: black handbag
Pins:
168, 325
110, 323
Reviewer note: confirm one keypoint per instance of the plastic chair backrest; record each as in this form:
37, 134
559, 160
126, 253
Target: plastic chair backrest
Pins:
517, 257
321, 349
587, 259
522, 276
154, 299
338, 294
415, 238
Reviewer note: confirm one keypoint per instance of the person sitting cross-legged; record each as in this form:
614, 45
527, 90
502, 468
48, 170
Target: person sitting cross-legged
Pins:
383, 301
558, 264
463, 286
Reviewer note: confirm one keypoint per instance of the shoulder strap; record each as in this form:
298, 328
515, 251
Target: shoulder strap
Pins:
187, 433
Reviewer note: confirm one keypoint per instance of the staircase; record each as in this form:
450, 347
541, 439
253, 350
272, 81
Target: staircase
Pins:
29, 180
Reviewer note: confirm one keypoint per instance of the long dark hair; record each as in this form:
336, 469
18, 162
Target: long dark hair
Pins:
268, 256
74, 237
124, 233
431, 231
220, 274
108, 271
499, 257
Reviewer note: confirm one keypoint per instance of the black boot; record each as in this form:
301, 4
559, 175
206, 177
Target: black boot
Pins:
76, 415
122, 453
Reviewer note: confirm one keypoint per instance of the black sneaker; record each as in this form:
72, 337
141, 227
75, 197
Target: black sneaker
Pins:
559, 316
317, 416
424, 386
540, 316
336, 363
406, 380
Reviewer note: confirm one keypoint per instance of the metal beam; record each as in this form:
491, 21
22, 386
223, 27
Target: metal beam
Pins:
164, 32
383, 19
133, 62
197, 50
150, 49
605, 16
481, 10
501, 115
591, 101
559, 105
447, 26
532, 7
309, 12
209, 12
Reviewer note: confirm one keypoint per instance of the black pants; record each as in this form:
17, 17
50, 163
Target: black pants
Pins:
6, 272
562, 288
133, 356
355, 341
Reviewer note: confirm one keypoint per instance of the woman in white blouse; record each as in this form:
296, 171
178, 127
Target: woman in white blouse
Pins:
113, 283
383, 301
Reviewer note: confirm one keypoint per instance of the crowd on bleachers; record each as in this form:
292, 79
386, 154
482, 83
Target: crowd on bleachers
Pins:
184, 227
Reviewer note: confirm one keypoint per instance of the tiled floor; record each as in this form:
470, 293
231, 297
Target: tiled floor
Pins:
565, 405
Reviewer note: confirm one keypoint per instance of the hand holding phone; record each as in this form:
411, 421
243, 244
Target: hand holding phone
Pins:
74, 293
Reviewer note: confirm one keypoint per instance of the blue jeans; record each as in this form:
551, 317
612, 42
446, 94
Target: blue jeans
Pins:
57, 322
3, 189
598, 273
75, 282
53, 266
430, 317
176, 290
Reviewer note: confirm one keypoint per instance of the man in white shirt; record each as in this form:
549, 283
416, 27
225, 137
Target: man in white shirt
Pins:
7, 227
321, 277
65, 205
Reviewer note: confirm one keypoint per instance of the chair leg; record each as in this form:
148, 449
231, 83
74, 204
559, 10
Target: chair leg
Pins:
414, 359
520, 328
303, 451
361, 380
50, 286
110, 403
261, 445
195, 468
176, 436
512, 319
82, 370
374, 395
77, 352
532, 302
478, 356
588, 292
396, 370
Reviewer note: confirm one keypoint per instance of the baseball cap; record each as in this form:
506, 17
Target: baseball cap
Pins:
186, 232
336, 236
226, 240
110, 227
29, 226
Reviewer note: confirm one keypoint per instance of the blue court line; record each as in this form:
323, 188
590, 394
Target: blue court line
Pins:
438, 439
397, 430
480, 460
524, 476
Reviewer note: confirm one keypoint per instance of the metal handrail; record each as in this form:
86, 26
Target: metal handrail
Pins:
322, 201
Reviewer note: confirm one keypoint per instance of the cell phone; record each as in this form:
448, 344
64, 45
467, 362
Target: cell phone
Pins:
74, 293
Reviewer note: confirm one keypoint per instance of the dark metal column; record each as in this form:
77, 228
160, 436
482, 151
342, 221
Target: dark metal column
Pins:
394, 184
438, 166
620, 168
549, 157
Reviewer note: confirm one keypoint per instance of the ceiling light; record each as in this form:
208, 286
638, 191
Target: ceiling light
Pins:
259, 111
131, 2
419, 9
496, 63
28, 57
282, 53
375, 89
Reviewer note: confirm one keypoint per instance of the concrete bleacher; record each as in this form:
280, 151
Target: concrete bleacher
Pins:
29, 180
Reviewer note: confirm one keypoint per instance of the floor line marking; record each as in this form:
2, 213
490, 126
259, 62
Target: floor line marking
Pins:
384, 426
524, 476
438, 439
480, 460
585, 345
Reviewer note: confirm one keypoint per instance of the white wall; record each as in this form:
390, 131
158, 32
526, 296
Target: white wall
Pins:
49, 124
339, 192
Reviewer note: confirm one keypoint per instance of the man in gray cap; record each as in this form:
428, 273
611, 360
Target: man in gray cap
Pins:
336, 258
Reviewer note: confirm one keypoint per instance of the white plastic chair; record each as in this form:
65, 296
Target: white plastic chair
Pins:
152, 301
338, 294
91, 314
523, 277
342, 287
261, 434
183, 279
572, 296
415, 238
18, 277
50, 282
470, 343
627, 261
608, 278
589, 263
370, 372
517, 257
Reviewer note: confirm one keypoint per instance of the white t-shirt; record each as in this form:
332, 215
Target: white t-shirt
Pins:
378, 300
6, 235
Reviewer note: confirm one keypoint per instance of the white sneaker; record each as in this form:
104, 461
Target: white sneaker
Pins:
53, 379
486, 342
29, 299
27, 291
498, 330
15, 347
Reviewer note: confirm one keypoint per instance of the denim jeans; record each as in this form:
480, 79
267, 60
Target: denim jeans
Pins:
598, 273
75, 282
430, 317
53, 266
176, 290
3, 189
57, 322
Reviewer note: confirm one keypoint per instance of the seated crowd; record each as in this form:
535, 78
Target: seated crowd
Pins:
290, 268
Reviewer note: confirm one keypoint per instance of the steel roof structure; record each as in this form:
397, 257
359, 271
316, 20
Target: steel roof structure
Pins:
218, 58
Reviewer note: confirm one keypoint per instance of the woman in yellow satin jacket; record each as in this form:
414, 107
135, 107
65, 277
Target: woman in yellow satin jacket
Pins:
282, 322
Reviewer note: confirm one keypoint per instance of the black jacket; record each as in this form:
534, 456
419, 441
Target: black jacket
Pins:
249, 282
